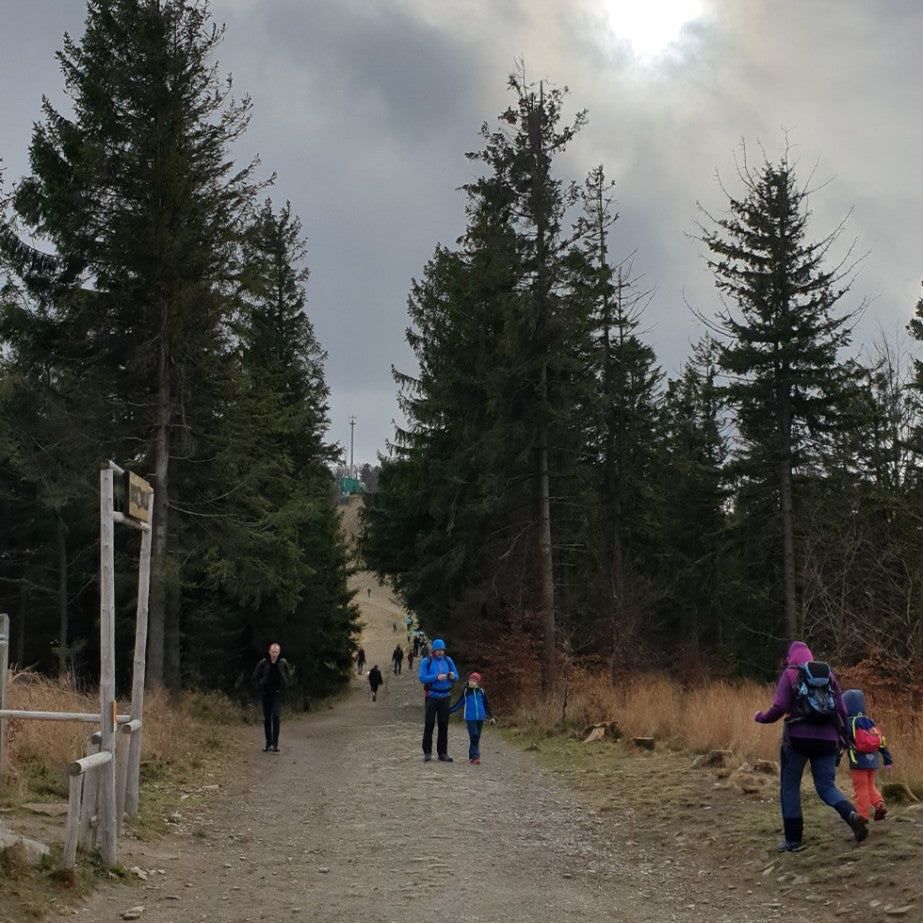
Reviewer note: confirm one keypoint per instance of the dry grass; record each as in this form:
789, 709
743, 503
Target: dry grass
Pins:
713, 715
175, 731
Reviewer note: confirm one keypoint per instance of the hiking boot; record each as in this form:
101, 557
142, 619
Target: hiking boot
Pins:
881, 812
791, 846
275, 749
267, 748
427, 757
445, 758
476, 761
859, 825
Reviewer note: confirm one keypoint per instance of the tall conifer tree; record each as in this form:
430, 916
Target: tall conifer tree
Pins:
782, 334
142, 203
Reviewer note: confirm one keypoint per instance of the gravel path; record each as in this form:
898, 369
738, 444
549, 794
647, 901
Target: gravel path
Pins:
347, 823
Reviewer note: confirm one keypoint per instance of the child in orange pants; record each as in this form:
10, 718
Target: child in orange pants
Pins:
864, 742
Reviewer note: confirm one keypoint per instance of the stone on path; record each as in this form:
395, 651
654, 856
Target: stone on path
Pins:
34, 850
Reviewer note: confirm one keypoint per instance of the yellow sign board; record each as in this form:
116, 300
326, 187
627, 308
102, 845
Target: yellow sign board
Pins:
139, 498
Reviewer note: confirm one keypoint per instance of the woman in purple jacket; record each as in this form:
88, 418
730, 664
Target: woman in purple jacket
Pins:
815, 742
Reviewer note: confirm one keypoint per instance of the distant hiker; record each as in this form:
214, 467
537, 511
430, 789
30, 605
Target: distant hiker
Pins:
410, 656
394, 626
424, 649
437, 673
864, 741
416, 645
477, 711
360, 660
397, 660
368, 590
809, 698
375, 681
273, 675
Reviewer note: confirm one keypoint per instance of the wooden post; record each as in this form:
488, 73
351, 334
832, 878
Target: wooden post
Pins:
123, 742
88, 799
72, 831
133, 782
108, 833
4, 666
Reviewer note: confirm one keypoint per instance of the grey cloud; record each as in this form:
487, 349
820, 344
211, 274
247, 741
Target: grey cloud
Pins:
365, 111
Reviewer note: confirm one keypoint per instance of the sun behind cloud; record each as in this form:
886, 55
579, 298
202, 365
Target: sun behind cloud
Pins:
651, 27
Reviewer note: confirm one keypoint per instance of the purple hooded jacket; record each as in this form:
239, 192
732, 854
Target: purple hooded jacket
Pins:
798, 654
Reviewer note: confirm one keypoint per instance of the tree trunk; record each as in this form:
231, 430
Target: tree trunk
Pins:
23, 614
788, 529
161, 446
172, 665
545, 561
61, 535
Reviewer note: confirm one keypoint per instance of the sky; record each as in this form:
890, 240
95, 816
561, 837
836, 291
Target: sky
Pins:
364, 111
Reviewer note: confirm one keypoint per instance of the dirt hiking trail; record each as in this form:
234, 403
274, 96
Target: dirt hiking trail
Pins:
347, 823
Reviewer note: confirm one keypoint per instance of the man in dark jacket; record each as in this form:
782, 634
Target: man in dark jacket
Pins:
273, 675
375, 681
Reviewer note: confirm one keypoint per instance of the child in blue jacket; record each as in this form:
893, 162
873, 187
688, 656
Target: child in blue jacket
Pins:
477, 710
864, 743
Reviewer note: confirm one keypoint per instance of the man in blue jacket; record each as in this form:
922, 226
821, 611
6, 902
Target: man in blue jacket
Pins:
437, 673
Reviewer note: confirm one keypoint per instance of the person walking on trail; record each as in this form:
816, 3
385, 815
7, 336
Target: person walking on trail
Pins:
273, 676
437, 674
416, 645
477, 710
424, 649
864, 741
368, 590
809, 698
397, 660
360, 660
376, 680
410, 656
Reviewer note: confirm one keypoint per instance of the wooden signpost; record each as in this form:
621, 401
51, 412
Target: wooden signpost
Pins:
104, 783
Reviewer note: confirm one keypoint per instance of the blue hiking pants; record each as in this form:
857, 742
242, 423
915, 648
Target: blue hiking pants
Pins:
474, 739
794, 756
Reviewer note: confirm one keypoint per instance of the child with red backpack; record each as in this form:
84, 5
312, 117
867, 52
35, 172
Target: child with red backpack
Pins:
864, 741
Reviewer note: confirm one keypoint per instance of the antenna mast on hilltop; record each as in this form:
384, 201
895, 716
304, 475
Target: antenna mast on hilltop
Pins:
352, 445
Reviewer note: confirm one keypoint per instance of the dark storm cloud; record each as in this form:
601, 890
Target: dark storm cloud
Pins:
365, 110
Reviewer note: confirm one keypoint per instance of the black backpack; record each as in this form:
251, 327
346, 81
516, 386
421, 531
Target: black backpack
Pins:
814, 695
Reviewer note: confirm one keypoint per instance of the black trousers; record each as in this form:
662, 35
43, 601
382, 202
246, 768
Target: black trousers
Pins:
272, 706
436, 710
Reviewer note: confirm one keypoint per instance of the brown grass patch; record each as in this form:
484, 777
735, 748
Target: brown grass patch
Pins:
711, 715
177, 732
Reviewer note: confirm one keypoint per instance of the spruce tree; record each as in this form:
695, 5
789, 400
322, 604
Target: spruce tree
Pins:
141, 202
781, 335
691, 494
620, 407
520, 154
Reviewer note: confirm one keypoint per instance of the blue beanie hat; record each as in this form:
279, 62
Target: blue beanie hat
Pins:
438, 645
